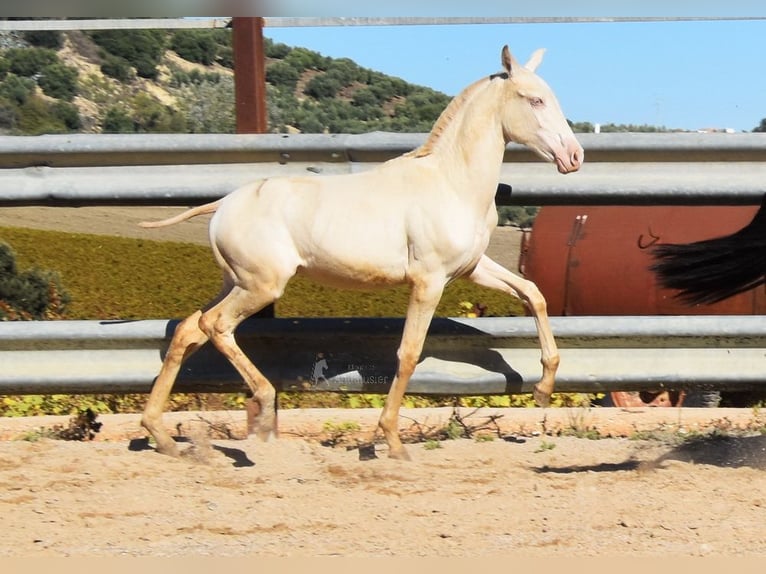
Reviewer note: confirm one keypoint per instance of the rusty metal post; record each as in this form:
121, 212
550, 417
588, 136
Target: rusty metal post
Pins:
250, 101
249, 75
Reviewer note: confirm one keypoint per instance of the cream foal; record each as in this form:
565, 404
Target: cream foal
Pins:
423, 219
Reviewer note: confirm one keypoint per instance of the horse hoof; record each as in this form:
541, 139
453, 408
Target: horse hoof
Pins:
399, 454
266, 435
169, 450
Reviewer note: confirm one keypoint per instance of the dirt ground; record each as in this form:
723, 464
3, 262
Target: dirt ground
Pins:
531, 491
538, 488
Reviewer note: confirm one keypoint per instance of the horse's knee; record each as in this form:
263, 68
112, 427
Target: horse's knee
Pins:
535, 300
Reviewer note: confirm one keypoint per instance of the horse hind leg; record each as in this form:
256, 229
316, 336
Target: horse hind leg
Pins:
187, 338
219, 322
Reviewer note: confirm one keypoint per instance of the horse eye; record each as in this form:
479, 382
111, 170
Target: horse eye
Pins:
536, 102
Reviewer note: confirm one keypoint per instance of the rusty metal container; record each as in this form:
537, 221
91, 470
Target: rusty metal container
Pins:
594, 260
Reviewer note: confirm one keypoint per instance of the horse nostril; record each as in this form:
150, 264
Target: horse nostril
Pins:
577, 157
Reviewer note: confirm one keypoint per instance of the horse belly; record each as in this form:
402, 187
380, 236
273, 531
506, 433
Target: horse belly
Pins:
353, 271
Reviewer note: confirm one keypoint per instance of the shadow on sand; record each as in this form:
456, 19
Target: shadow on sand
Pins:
716, 450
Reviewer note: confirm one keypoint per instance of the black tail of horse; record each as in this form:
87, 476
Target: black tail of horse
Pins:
715, 269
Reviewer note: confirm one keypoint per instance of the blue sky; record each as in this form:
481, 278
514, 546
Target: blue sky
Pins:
687, 75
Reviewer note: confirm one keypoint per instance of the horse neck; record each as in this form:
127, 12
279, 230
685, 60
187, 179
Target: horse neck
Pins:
471, 146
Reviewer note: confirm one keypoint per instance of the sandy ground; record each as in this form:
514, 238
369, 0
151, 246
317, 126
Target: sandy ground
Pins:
531, 491
538, 488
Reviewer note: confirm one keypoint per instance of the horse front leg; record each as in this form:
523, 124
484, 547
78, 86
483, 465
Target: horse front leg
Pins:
423, 301
491, 274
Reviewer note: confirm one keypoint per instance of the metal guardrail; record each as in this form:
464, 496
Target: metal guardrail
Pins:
484, 356
620, 169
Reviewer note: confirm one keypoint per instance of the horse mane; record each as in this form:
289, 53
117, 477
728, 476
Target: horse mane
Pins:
448, 115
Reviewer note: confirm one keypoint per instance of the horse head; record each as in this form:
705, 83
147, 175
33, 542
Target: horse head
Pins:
531, 114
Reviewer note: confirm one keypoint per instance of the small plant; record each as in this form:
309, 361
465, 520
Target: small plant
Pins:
454, 430
432, 444
339, 432
37, 434
484, 438
545, 445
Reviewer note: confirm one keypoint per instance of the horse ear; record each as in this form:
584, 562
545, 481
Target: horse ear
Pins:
535, 59
509, 62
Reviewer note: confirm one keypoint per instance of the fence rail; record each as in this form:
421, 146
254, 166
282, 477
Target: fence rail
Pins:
620, 169
335, 21
484, 356
462, 356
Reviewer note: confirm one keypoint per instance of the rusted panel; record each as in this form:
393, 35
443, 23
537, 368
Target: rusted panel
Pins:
594, 260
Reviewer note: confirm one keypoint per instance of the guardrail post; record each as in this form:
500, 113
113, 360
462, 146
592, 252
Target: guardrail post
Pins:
249, 75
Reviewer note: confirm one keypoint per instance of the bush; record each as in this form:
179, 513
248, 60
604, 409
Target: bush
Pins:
303, 59
209, 106
364, 97
117, 121
195, 45
143, 49
29, 61
276, 50
29, 295
9, 115
52, 39
517, 215
37, 117
225, 57
346, 71
68, 114
59, 81
116, 67
322, 86
16, 89
282, 75
150, 116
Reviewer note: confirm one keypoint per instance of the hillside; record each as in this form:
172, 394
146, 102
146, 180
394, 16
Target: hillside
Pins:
146, 81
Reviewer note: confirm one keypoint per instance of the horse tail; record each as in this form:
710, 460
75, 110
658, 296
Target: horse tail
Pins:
715, 269
188, 214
